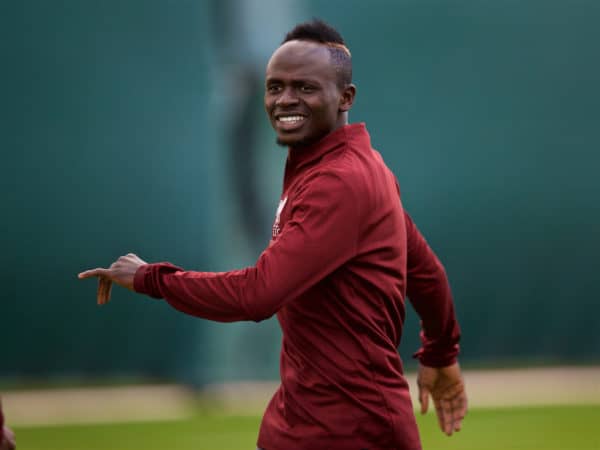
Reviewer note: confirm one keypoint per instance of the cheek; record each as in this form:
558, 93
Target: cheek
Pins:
326, 108
328, 113
268, 103
332, 103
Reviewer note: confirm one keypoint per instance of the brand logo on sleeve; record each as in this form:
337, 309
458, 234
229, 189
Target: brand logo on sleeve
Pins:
276, 227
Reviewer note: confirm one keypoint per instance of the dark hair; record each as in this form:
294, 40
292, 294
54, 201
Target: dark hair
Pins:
319, 31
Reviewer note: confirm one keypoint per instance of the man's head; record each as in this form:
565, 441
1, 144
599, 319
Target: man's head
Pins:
308, 86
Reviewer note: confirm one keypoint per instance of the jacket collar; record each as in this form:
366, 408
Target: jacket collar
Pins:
355, 133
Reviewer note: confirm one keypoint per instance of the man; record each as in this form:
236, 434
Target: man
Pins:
7, 437
342, 258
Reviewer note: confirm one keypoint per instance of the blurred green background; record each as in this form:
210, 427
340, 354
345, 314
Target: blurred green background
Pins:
128, 125
517, 429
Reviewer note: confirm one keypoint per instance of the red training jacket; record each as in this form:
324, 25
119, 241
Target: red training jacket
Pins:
343, 257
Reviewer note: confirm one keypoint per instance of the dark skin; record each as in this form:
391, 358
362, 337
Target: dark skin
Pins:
301, 82
305, 101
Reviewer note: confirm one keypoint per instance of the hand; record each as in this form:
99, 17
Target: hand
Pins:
122, 272
447, 388
8, 441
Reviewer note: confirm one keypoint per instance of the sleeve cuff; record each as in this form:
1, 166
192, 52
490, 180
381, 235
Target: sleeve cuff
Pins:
139, 279
431, 359
148, 279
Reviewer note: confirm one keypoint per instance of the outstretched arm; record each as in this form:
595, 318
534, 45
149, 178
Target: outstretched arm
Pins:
439, 373
313, 243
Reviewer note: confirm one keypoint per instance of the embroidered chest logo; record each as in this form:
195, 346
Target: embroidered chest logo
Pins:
276, 227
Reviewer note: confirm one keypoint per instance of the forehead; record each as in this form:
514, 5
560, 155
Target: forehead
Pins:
301, 59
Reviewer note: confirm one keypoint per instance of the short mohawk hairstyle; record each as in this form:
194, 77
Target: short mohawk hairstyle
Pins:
321, 32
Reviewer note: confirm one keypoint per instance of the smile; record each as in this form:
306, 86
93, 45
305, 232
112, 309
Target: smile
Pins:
289, 123
290, 119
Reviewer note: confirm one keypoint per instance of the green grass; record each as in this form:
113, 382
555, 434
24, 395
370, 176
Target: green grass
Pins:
543, 428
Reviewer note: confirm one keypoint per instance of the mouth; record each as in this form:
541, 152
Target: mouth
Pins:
289, 122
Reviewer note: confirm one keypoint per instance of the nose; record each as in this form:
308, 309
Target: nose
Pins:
287, 97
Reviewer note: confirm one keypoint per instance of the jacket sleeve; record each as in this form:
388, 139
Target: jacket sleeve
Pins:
429, 292
320, 235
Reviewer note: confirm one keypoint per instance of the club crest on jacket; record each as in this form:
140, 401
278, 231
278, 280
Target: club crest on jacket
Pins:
276, 227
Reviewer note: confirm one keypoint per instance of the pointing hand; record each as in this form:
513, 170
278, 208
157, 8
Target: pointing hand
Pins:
121, 272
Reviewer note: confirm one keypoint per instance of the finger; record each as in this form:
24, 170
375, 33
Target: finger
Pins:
444, 415
108, 290
93, 273
424, 399
456, 397
439, 413
447, 416
104, 288
459, 407
100, 291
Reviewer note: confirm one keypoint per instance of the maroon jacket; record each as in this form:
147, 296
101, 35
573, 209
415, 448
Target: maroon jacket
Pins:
342, 259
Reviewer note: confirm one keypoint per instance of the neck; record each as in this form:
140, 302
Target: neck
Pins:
341, 122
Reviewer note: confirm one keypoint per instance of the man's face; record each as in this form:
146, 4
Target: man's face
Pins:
302, 96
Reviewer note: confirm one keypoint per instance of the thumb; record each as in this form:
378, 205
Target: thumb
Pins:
424, 398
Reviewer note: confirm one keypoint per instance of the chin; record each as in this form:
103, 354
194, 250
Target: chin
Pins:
287, 141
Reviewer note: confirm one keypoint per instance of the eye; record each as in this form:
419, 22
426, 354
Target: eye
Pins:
307, 88
273, 88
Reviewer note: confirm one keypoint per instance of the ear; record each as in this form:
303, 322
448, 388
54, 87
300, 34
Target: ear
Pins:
347, 98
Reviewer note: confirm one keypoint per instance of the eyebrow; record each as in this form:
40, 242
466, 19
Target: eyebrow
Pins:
296, 81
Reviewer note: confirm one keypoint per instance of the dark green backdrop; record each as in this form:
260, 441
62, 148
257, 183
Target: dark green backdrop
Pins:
115, 125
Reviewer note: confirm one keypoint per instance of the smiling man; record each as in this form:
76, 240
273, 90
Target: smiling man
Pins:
308, 90
343, 258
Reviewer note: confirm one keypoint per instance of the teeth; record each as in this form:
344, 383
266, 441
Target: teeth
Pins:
290, 118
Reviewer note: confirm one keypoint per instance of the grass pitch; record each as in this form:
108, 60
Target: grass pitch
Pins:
540, 428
